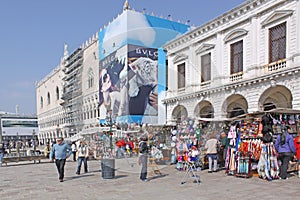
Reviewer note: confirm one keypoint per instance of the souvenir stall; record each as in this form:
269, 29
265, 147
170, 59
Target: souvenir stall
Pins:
210, 126
252, 139
249, 151
183, 138
286, 117
191, 133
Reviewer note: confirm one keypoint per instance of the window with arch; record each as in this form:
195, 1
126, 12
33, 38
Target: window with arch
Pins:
90, 78
48, 98
42, 102
57, 93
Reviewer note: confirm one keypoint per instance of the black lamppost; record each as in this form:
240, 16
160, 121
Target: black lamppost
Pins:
110, 128
33, 141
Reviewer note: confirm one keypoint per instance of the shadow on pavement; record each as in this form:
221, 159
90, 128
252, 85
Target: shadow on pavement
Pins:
158, 176
79, 176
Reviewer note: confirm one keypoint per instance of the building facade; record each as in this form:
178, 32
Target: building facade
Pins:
244, 61
105, 75
67, 97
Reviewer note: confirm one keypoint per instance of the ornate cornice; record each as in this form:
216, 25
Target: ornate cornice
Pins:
236, 14
204, 47
179, 58
276, 16
235, 34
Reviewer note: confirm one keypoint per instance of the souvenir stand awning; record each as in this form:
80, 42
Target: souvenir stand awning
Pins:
284, 111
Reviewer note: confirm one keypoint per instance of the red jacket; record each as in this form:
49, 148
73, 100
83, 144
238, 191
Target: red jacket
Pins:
123, 143
297, 147
119, 143
131, 145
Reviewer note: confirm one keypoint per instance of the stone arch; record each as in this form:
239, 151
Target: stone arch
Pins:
235, 105
179, 113
275, 97
204, 109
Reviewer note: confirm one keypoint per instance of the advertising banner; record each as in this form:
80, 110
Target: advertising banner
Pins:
129, 85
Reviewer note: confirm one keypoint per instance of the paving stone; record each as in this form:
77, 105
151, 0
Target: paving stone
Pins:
40, 181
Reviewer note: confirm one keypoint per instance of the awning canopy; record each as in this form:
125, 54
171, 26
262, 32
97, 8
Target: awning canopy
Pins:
284, 111
252, 115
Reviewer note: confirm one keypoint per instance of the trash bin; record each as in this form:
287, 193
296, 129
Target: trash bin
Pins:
108, 168
167, 155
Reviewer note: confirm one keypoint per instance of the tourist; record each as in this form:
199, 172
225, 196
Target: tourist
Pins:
61, 151
83, 155
224, 144
143, 158
74, 150
285, 147
2, 152
212, 153
47, 150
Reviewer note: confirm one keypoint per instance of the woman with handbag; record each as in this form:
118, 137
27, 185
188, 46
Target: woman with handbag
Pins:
285, 147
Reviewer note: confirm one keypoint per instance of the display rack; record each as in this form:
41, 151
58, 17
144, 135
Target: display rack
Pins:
192, 172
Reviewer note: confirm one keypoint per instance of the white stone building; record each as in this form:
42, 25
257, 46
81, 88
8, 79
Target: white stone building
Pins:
67, 97
244, 61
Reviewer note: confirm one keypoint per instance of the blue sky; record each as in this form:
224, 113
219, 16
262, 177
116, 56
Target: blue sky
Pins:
33, 33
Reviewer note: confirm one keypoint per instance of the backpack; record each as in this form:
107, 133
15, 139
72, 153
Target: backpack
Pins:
267, 137
143, 147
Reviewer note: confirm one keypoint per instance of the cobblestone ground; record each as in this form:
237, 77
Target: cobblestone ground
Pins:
40, 181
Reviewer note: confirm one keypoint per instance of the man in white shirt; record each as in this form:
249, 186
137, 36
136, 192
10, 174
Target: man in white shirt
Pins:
212, 153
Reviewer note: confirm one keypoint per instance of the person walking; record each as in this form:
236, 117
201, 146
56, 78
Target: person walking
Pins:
2, 152
83, 155
129, 147
284, 145
212, 153
61, 151
119, 148
74, 150
143, 158
297, 147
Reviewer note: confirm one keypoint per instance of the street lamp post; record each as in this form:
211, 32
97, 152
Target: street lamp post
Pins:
110, 129
17, 144
34, 142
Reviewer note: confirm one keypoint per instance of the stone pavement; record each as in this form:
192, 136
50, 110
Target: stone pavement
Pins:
40, 181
